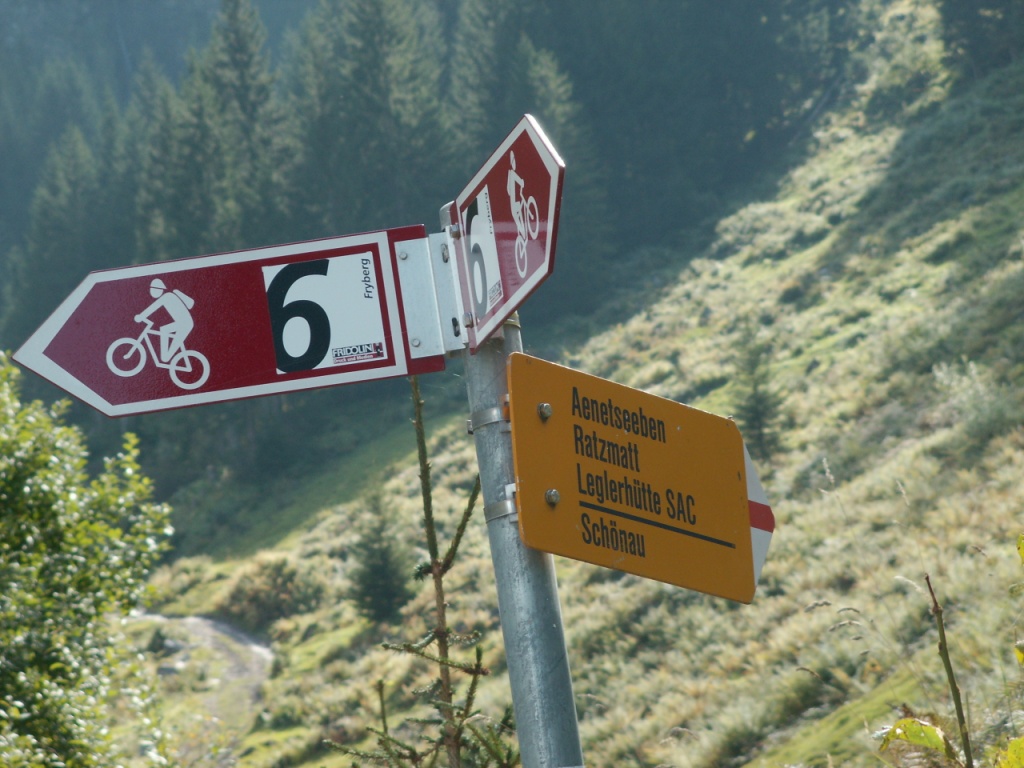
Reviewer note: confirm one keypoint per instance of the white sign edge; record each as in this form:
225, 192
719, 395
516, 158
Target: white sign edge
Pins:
759, 539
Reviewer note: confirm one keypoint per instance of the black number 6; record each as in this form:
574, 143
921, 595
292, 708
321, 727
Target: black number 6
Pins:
476, 262
310, 311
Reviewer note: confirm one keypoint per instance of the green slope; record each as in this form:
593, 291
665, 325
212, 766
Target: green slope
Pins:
885, 271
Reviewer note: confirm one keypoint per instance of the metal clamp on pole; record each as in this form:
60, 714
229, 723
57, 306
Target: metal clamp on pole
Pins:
496, 415
500, 509
504, 508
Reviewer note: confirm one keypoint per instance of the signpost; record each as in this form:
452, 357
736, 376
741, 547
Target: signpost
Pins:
617, 477
592, 470
531, 616
506, 220
236, 325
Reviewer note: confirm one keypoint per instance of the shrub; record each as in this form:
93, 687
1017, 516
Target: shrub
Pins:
73, 551
273, 587
982, 406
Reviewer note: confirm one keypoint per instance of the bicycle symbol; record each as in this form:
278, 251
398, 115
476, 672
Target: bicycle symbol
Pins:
187, 368
528, 225
126, 357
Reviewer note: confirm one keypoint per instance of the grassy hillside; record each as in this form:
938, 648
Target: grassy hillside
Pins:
884, 270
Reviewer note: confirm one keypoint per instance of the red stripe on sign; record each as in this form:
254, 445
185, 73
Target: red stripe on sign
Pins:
761, 516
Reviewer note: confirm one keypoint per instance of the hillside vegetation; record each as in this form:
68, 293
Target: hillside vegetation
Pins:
883, 271
838, 228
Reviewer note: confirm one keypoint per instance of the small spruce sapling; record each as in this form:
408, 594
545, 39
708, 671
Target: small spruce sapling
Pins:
380, 579
759, 405
458, 735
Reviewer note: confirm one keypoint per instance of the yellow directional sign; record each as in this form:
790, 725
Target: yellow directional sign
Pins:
620, 478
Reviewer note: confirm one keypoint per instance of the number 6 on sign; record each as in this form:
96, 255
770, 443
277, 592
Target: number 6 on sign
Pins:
484, 272
318, 325
318, 312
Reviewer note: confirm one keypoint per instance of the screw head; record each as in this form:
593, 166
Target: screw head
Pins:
403, 255
552, 496
544, 410
414, 342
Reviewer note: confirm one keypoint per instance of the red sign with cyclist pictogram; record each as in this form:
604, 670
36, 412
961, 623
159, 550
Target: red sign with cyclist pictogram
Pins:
507, 221
193, 331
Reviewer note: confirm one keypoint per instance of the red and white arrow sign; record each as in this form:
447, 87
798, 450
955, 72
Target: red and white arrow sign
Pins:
237, 325
762, 520
507, 219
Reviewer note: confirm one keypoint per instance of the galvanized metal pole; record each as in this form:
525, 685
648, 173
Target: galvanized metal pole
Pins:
531, 618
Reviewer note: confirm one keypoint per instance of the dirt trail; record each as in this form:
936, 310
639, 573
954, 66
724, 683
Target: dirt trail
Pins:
248, 661
211, 677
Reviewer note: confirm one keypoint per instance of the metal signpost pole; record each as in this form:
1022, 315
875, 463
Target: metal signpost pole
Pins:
531, 618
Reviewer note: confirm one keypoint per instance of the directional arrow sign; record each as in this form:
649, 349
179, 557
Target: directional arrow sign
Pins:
237, 325
617, 477
507, 219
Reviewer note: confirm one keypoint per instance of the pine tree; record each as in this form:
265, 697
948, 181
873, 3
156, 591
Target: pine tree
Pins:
496, 74
759, 404
318, 183
61, 246
380, 579
44, 122
367, 89
117, 177
38, 103
474, 79
151, 117
201, 207
215, 153
238, 71
546, 91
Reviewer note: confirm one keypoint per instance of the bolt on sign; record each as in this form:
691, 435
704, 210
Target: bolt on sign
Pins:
627, 480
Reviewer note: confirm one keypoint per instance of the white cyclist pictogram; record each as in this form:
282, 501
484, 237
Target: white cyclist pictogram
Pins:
187, 368
525, 213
